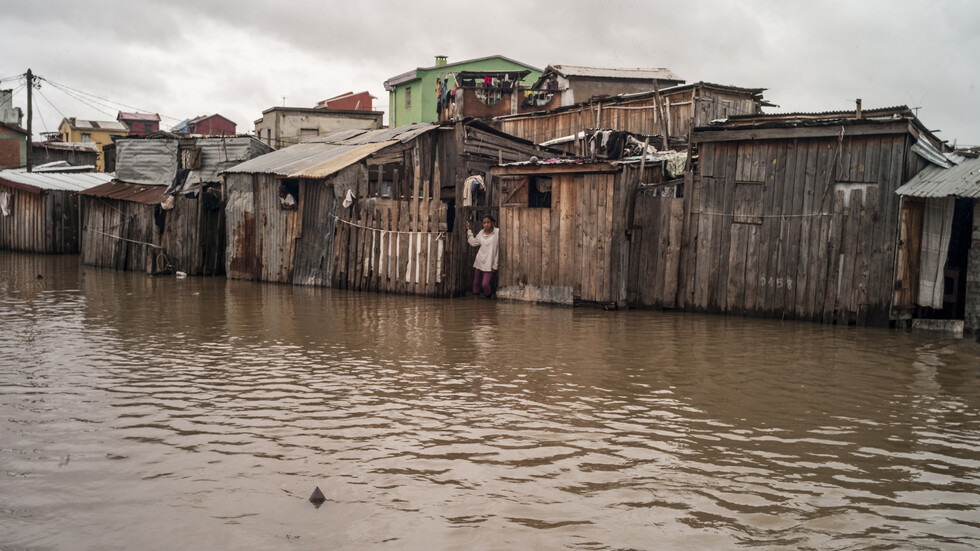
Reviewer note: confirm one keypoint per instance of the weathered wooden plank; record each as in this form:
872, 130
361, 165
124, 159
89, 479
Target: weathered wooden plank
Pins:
835, 254
738, 248
784, 244
863, 267
808, 214
567, 231
815, 261
725, 231
773, 225
850, 249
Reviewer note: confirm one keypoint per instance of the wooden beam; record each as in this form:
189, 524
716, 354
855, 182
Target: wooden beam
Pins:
799, 132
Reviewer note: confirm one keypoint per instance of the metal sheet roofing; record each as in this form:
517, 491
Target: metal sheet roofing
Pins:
156, 160
650, 73
122, 191
90, 147
324, 155
109, 126
52, 181
137, 116
961, 180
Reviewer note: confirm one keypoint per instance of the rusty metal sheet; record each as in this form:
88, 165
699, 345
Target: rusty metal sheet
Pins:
128, 192
347, 157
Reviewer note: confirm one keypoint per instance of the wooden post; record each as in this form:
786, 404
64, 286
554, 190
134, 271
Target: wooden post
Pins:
30, 120
663, 118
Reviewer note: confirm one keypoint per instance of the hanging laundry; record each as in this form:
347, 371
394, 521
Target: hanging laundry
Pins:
349, 199
472, 186
5, 203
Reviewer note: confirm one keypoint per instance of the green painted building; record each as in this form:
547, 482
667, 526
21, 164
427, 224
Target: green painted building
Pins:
412, 95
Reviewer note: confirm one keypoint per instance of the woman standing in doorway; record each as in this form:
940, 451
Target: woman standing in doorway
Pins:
486, 258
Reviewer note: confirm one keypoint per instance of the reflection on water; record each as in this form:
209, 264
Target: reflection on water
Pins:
199, 412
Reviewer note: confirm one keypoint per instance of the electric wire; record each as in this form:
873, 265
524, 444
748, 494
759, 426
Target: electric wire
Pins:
103, 101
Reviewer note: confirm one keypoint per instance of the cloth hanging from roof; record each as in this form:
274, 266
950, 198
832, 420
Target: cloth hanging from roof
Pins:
937, 226
5, 203
470, 188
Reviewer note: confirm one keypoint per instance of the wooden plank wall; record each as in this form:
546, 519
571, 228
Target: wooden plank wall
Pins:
45, 222
396, 244
571, 244
797, 229
463, 152
655, 248
193, 237
119, 234
638, 115
240, 253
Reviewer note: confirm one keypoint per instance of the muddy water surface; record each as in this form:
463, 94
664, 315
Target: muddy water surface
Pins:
189, 413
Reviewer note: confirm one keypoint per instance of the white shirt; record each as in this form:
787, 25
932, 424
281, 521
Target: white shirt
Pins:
486, 257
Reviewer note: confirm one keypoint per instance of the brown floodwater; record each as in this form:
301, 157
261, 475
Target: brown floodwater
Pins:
200, 413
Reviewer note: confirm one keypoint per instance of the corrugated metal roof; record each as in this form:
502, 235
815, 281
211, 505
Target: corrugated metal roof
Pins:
962, 180
349, 156
326, 154
88, 147
128, 192
650, 73
123, 116
110, 126
55, 181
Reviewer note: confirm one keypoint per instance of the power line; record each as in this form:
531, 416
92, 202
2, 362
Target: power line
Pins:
55, 107
107, 102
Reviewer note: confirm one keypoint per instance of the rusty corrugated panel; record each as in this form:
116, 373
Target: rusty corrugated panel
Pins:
962, 180
322, 151
128, 192
346, 158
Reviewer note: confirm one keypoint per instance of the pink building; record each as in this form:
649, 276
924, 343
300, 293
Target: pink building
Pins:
361, 101
140, 123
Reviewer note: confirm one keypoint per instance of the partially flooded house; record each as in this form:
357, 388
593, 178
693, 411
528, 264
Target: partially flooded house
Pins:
380, 210
795, 216
567, 225
39, 210
939, 251
163, 211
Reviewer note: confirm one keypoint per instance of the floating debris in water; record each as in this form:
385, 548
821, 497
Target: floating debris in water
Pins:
317, 497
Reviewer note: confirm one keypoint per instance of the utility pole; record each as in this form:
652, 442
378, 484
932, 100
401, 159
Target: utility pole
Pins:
30, 119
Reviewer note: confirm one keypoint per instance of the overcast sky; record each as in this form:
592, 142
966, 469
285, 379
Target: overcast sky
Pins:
187, 58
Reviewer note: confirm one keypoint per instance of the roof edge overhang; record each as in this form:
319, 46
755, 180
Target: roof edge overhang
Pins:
331, 166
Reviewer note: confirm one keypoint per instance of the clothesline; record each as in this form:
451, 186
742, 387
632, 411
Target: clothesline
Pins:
349, 223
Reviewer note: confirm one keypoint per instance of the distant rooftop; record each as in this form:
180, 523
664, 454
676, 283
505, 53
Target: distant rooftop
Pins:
659, 73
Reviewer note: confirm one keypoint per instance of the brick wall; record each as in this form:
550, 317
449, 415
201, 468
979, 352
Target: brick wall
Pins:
12, 153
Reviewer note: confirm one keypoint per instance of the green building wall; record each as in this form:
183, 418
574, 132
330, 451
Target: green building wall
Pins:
423, 88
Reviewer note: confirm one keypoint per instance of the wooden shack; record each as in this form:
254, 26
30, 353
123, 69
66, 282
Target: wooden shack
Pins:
39, 210
940, 242
671, 112
565, 228
401, 229
795, 216
164, 210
